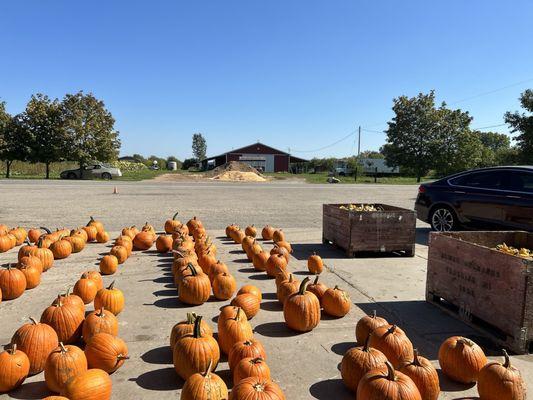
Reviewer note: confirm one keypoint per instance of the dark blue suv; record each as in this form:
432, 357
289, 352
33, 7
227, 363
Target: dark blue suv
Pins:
487, 198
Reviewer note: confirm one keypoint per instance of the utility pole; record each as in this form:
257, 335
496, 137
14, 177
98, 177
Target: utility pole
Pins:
359, 143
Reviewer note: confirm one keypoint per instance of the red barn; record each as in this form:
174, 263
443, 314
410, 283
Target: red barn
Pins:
258, 155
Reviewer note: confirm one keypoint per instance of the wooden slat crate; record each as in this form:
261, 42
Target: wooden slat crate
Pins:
490, 290
386, 231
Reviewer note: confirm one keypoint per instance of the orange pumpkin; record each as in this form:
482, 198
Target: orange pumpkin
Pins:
286, 288
252, 290
259, 260
255, 388
186, 327
97, 224
195, 352
102, 237
498, 381
318, 288
301, 310
14, 368
387, 384
86, 289
110, 298
65, 319
61, 249
217, 268
131, 232
37, 341
278, 235
366, 325
246, 348
93, 384
44, 254
424, 375
72, 299
394, 343
12, 282
91, 233
172, 224
31, 261
63, 363
34, 234
77, 243
108, 264
249, 303
143, 240
461, 359
315, 265
25, 251
120, 252
204, 386
233, 327
163, 244
5, 243
31, 273
224, 286
250, 231
99, 321
267, 233
96, 277
194, 288
336, 302
106, 352
275, 264
249, 367
125, 241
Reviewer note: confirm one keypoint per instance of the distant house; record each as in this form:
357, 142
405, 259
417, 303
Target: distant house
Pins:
257, 155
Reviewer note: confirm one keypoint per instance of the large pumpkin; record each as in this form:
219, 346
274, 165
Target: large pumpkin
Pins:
498, 381
275, 264
249, 303
204, 386
110, 298
30, 261
394, 343
255, 388
85, 288
186, 327
367, 324
63, 363
99, 321
143, 240
246, 348
72, 299
61, 249
14, 368
37, 341
301, 310
96, 277
259, 260
387, 384
336, 302
93, 384
424, 375
194, 353
224, 286
358, 361
106, 352
461, 359
233, 327
194, 288
248, 367
12, 282
66, 319
252, 290
108, 264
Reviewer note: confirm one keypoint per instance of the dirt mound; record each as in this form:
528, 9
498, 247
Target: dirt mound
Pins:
236, 171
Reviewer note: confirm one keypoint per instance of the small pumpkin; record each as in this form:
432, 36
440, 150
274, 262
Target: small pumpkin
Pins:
249, 367
102, 237
267, 233
106, 352
250, 230
281, 250
96, 277
206, 259
246, 348
61, 249
194, 352
315, 265
125, 241
34, 234
131, 232
143, 240
498, 381
97, 224
367, 324
224, 286
12, 282
255, 388
336, 302
86, 289
217, 268
110, 298
30, 261
79, 232
70, 298
44, 254
275, 264
77, 242
99, 321
387, 384
92, 384
249, 303
278, 235
25, 251
120, 252
394, 343
37, 341
252, 290
239, 236
5, 243
358, 361
287, 287
287, 246
259, 260
186, 327
31, 273
318, 288
65, 319
424, 375
91, 233
194, 224
233, 327
204, 386
163, 244
14, 368
172, 224
461, 359
301, 310
63, 363
195, 287
108, 264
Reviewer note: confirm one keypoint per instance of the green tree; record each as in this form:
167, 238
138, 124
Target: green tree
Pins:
139, 157
371, 154
13, 140
523, 124
90, 129
43, 121
199, 146
495, 148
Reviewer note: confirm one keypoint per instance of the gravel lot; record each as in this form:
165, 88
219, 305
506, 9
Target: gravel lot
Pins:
306, 366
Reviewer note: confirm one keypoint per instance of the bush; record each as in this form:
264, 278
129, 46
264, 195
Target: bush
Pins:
129, 166
188, 163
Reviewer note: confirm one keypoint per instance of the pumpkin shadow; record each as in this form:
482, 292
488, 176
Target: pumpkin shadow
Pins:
270, 296
159, 355
161, 279
226, 376
164, 379
343, 347
303, 273
275, 329
165, 292
327, 317
260, 277
330, 389
447, 385
169, 302
272, 306
31, 391
246, 270
236, 252
242, 261
170, 285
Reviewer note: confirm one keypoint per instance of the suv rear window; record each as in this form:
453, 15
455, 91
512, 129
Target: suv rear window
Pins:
482, 180
519, 181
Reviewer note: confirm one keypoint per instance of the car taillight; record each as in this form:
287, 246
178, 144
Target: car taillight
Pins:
421, 189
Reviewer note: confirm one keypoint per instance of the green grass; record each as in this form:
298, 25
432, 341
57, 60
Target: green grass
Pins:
144, 174
322, 178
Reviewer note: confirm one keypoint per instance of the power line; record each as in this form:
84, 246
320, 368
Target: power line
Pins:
490, 126
491, 91
371, 131
326, 147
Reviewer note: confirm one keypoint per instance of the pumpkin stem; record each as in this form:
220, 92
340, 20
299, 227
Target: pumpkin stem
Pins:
63, 349
59, 301
238, 314
33, 321
209, 368
416, 361
366, 345
465, 342
290, 277
303, 286
257, 360
197, 332
374, 314
190, 266
316, 280
336, 287
100, 311
507, 362
45, 229
40, 242
120, 357
111, 286
392, 329
191, 318
175, 215
391, 376
179, 253
13, 348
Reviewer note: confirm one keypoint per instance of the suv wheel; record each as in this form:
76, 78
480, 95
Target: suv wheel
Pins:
71, 175
443, 219
106, 176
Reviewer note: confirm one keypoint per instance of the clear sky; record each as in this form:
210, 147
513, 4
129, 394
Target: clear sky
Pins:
296, 74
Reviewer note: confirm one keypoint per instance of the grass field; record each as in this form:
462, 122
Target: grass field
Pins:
322, 178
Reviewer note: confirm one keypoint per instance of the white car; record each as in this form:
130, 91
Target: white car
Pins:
102, 171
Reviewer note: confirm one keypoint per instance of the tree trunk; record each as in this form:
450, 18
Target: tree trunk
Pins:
47, 170
418, 178
8, 168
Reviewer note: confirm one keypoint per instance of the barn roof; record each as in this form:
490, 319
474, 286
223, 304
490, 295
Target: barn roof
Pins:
254, 148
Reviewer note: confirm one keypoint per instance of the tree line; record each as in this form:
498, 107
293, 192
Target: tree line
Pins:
422, 137
77, 128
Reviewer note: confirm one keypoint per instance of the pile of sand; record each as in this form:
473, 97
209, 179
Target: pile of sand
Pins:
235, 171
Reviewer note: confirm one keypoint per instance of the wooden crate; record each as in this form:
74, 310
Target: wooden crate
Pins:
386, 231
490, 290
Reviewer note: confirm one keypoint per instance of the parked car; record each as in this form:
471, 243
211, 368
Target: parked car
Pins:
487, 198
102, 171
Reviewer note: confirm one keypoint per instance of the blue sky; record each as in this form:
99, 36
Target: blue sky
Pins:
293, 74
